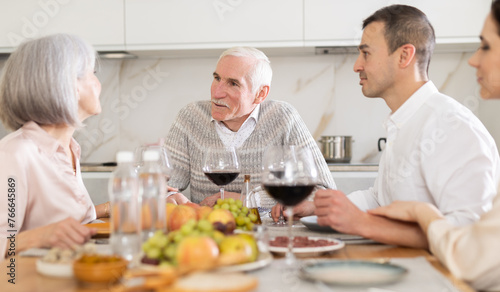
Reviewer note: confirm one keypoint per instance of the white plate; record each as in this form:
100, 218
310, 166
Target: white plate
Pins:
54, 269
310, 251
264, 259
352, 272
311, 222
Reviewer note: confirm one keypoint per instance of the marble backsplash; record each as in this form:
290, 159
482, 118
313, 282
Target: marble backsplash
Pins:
141, 97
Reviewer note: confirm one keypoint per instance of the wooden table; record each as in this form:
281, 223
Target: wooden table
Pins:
27, 279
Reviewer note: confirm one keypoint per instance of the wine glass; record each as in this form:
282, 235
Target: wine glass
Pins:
289, 184
221, 166
164, 160
274, 162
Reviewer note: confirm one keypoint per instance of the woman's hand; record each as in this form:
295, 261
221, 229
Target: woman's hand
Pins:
421, 212
102, 210
63, 234
399, 210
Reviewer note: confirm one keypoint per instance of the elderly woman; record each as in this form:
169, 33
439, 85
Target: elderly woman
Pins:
47, 89
469, 252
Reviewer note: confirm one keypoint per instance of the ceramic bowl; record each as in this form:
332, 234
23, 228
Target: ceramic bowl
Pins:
99, 268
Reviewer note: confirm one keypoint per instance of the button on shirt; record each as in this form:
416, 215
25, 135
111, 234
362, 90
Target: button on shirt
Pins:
437, 151
236, 139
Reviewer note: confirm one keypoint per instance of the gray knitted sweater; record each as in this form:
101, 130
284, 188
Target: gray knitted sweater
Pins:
193, 132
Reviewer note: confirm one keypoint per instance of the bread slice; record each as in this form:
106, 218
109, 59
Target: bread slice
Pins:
214, 282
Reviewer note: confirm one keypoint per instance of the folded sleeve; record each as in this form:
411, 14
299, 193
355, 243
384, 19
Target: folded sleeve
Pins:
470, 252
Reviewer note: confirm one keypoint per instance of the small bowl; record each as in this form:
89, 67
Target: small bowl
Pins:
99, 268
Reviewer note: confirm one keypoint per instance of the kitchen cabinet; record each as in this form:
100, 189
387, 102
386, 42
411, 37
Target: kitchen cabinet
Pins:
338, 22
184, 24
100, 22
350, 178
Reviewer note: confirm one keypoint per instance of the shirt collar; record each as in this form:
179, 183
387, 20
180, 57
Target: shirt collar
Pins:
46, 143
411, 106
253, 115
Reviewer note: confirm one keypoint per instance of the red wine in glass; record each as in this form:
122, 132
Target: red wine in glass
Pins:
289, 195
221, 178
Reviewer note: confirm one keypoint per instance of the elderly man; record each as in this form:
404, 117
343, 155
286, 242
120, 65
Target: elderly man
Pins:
237, 115
437, 150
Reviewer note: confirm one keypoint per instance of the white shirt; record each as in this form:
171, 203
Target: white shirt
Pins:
236, 139
437, 151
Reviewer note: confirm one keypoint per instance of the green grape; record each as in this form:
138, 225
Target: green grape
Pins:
205, 225
146, 246
178, 237
230, 201
225, 206
187, 229
249, 226
239, 204
252, 217
220, 201
191, 223
153, 253
170, 251
216, 207
244, 210
247, 220
240, 221
234, 214
234, 208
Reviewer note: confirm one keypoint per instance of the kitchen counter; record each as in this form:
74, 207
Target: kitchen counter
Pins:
343, 167
336, 167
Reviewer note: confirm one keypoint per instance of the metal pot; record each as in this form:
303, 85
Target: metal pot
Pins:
336, 149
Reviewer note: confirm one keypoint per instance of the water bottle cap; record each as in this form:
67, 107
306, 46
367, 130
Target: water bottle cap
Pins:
124, 157
151, 155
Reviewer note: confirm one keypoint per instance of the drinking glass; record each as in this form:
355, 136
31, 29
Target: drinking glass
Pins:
164, 160
289, 184
221, 166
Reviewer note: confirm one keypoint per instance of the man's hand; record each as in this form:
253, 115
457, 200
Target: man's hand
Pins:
303, 209
177, 199
212, 200
334, 209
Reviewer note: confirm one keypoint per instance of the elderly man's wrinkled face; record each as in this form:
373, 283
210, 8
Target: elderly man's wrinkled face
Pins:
231, 91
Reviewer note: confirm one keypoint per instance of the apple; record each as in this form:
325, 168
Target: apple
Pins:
234, 249
180, 215
197, 252
253, 243
222, 220
192, 205
202, 212
168, 209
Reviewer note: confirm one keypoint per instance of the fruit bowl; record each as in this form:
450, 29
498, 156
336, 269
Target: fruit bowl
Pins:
99, 268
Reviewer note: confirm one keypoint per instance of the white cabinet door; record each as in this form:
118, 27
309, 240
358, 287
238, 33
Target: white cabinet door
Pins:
171, 24
100, 22
338, 22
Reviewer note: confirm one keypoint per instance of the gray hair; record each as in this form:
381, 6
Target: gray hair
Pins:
39, 81
262, 73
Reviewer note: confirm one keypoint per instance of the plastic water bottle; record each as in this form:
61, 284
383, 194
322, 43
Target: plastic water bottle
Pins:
153, 193
125, 219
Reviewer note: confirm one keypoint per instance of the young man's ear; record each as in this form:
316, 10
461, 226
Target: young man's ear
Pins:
406, 55
261, 94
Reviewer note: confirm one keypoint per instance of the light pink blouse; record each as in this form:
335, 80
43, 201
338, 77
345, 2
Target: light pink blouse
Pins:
37, 184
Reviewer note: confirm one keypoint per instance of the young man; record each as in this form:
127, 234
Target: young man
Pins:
437, 150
